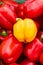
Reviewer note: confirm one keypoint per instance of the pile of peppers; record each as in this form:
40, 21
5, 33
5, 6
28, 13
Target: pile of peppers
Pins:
21, 32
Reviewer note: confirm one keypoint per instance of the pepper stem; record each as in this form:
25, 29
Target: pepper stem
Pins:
4, 33
18, 19
20, 1
1, 3
41, 38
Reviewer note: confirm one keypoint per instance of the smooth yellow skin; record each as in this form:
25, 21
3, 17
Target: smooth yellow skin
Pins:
18, 30
25, 30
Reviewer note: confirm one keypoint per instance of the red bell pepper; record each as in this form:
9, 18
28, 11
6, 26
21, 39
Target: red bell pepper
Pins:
14, 64
40, 37
33, 50
10, 49
12, 4
9, 32
27, 62
7, 16
31, 8
20, 11
41, 58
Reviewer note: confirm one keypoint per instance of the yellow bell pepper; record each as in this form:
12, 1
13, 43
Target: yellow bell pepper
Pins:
25, 30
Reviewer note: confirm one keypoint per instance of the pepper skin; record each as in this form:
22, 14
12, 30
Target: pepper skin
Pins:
20, 11
25, 30
27, 62
7, 16
6, 24
31, 8
33, 50
12, 4
13, 64
41, 58
1, 38
10, 49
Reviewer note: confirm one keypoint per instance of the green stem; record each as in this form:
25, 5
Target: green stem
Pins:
4, 33
1, 3
20, 1
17, 19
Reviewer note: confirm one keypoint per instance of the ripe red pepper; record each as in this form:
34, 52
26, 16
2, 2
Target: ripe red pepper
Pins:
33, 50
12, 4
27, 62
31, 8
13, 64
41, 58
10, 49
7, 16
20, 11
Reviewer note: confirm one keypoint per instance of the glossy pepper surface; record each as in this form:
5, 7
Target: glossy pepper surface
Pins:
25, 30
20, 12
12, 4
33, 50
11, 49
31, 8
41, 58
7, 16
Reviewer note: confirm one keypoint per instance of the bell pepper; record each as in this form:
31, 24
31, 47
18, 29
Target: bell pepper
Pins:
12, 4
41, 58
10, 49
40, 37
27, 62
31, 8
9, 32
20, 11
13, 64
33, 50
25, 30
7, 16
